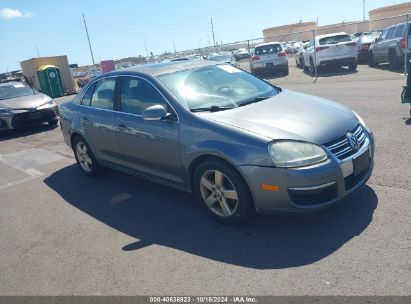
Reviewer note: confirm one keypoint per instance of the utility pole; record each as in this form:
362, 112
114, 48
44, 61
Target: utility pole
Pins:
363, 9
89, 44
145, 45
38, 53
212, 30
174, 45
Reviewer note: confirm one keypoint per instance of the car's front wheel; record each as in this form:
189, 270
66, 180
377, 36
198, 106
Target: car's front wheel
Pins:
85, 157
222, 192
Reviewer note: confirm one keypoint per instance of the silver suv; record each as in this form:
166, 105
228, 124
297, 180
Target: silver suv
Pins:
391, 47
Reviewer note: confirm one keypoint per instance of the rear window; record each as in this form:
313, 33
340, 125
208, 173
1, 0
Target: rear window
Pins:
268, 49
334, 39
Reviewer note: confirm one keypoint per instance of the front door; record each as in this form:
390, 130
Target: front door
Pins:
150, 147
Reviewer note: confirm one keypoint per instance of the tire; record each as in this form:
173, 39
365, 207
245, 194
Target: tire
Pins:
286, 71
222, 192
53, 123
85, 158
371, 60
393, 60
305, 68
353, 66
312, 67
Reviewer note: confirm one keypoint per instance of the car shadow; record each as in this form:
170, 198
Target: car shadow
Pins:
331, 72
17, 133
407, 121
155, 214
386, 67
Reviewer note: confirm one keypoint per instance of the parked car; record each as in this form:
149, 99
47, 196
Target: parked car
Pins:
391, 46
23, 106
240, 144
363, 44
269, 58
224, 58
242, 53
336, 49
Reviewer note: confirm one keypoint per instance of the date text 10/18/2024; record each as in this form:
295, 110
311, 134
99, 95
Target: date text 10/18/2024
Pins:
203, 299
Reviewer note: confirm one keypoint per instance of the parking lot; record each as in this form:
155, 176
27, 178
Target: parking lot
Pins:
65, 234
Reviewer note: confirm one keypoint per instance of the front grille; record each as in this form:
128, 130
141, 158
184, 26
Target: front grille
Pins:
30, 118
311, 197
353, 180
340, 146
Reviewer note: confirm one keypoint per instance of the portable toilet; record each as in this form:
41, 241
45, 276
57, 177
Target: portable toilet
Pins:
50, 80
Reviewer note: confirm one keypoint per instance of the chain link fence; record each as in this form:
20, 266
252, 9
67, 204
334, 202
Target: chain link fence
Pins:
336, 50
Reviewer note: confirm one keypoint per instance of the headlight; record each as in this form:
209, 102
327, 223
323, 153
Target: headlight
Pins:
360, 120
4, 110
288, 154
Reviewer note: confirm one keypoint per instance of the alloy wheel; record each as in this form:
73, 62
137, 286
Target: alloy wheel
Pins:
83, 157
219, 193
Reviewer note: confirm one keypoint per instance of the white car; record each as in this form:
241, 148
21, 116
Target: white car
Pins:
269, 58
336, 49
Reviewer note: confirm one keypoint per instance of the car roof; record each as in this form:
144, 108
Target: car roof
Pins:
155, 69
267, 43
330, 35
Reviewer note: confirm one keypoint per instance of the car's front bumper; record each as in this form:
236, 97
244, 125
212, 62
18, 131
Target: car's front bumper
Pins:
307, 189
15, 119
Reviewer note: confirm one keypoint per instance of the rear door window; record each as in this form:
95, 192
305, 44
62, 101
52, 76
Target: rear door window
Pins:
335, 39
85, 101
268, 49
103, 95
399, 31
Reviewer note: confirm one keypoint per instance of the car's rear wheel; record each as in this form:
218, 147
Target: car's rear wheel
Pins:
305, 68
222, 191
353, 66
312, 67
393, 60
85, 157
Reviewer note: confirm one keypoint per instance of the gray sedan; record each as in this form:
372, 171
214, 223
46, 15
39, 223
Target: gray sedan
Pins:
238, 143
22, 106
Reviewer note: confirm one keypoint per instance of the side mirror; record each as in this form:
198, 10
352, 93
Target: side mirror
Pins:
156, 112
376, 39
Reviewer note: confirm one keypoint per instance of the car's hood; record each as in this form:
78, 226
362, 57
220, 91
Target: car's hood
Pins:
25, 102
291, 115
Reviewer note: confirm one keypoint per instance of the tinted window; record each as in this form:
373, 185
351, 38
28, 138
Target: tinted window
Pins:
391, 33
103, 96
87, 96
399, 31
137, 95
335, 39
268, 49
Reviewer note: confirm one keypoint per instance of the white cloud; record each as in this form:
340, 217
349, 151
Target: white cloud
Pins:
9, 13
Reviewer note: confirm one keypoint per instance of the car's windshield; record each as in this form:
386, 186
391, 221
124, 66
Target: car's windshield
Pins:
335, 39
15, 90
217, 87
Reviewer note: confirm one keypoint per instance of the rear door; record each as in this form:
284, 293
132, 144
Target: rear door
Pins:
336, 47
378, 48
97, 118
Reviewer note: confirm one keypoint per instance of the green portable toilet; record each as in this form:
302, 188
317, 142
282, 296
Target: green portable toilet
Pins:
50, 80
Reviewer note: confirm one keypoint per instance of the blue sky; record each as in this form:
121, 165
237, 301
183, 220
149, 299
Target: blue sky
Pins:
118, 28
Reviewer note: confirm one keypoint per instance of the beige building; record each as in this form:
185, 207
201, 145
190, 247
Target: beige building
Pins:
378, 19
30, 67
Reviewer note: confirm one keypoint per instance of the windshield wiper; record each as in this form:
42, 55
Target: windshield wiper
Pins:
254, 100
211, 109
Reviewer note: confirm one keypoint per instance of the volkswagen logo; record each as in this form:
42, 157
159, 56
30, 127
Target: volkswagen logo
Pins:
353, 141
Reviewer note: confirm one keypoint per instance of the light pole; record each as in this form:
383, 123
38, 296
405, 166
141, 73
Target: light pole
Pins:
89, 43
363, 10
